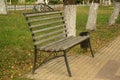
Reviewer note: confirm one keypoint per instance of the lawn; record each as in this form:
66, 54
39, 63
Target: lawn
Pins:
16, 48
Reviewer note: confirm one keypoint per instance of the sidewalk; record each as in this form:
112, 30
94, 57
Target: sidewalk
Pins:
105, 66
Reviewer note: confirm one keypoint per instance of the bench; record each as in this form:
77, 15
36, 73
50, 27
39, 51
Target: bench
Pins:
49, 34
40, 7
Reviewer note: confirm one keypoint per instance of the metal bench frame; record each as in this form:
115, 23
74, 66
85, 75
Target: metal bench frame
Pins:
40, 7
62, 44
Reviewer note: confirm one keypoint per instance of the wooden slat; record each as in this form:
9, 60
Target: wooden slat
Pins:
34, 26
49, 28
51, 33
63, 45
51, 38
42, 19
74, 42
41, 14
54, 46
52, 43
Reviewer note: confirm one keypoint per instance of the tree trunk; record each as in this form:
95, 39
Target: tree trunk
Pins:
70, 17
46, 2
91, 23
109, 2
10, 2
3, 7
115, 13
40, 1
88, 2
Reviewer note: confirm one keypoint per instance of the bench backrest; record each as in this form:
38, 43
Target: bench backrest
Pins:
46, 27
40, 7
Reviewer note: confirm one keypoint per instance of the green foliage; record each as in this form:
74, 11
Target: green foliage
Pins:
54, 1
17, 1
117, 0
14, 1
118, 20
30, 0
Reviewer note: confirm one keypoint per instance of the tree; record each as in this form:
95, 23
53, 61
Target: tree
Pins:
40, 1
115, 13
70, 16
3, 7
91, 23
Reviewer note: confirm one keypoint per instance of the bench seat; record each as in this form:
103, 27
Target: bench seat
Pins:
63, 44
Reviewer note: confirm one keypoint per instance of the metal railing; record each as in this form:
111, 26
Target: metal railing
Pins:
29, 7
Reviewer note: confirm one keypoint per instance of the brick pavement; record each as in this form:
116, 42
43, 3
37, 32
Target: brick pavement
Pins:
105, 66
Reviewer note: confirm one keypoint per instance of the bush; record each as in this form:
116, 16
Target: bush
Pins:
30, 0
14, 1
54, 1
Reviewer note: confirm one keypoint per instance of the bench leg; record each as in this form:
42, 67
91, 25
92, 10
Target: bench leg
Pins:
67, 64
90, 47
35, 60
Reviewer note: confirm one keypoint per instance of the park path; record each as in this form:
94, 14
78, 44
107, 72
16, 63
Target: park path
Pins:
104, 66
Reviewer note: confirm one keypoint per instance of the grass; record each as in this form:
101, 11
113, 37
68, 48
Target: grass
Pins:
103, 33
16, 48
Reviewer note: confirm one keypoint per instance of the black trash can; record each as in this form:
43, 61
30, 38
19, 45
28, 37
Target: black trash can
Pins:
85, 44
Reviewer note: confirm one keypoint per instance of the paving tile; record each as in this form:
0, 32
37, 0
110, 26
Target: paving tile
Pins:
104, 66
